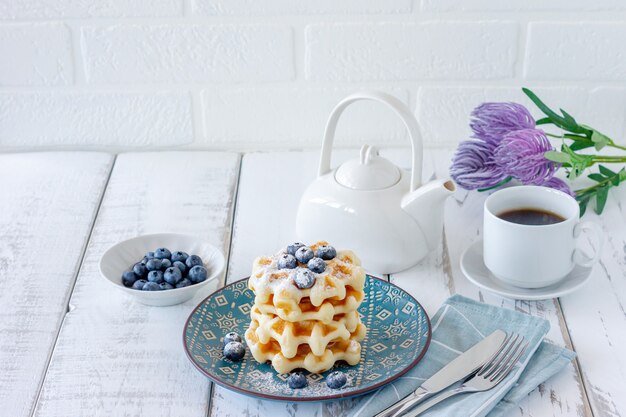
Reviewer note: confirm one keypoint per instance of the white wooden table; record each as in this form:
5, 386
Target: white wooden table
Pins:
72, 346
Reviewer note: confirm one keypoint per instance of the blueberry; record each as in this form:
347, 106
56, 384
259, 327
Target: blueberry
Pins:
138, 285
149, 255
165, 286
304, 254
129, 278
181, 266
336, 380
304, 278
297, 380
184, 283
197, 274
165, 263
162, 253
193, 260
287, 261
151, 286
326, 252
291, 249
231, 337
153, 264
179, 256
155, 276
234, 351
317, 265
140, 270
173, 275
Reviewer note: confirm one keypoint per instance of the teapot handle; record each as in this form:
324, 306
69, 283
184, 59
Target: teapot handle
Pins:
400, 109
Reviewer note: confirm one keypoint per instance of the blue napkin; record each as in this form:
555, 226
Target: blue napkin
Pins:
458, 325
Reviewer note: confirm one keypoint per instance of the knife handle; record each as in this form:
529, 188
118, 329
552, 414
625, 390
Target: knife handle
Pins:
434, 401
404, 404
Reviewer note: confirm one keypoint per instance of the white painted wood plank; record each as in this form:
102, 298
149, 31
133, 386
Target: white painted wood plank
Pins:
115, 357
596, 316
270, 187
47, 205
563, 395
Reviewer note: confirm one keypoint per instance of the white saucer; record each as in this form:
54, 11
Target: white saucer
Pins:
474, 268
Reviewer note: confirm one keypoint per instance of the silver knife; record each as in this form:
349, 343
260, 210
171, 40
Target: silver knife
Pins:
460, 368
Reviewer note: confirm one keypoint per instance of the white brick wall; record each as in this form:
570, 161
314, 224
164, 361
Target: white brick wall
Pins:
295, 7
182, 53
294, 118
128, 120
410, 51
264, 74
35, 54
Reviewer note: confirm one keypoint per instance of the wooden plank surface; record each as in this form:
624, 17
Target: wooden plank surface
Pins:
114, 356
562, 395
47, 205
596, 316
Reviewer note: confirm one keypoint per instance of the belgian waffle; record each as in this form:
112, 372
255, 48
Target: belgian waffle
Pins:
310, 328
347, 350
314, 333
342, 273
305, 310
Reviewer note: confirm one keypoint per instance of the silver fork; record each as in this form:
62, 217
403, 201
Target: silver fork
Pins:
487, 377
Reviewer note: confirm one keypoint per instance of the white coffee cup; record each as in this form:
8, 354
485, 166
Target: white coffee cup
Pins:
535, 256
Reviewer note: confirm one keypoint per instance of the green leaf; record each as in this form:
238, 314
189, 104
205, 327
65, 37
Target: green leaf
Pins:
559, 157
543, 121
579, 144
597, 177
583, 206
578, 162
601, 197
568, 118
554, 118
606, 171
599, 140
619, 177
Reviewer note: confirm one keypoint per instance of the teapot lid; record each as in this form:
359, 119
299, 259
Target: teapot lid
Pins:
369, 172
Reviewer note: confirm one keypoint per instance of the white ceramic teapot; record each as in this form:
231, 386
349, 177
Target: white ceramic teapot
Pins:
370, 205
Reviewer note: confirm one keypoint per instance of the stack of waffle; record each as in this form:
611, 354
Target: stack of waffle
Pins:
306, 328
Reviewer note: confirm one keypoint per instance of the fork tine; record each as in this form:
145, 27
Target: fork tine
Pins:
495, 355
488, 369
505, 358
505, 370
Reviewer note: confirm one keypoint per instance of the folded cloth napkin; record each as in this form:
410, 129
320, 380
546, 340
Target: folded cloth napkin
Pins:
458, 325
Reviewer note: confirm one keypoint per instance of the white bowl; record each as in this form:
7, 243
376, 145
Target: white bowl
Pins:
123, 255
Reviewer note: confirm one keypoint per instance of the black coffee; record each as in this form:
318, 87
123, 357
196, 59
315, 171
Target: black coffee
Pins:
531, 217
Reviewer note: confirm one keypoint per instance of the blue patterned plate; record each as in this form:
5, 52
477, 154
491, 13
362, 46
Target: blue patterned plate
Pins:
398, 334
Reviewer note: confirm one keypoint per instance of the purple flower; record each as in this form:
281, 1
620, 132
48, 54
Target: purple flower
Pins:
492, 121
521, 154
559, 184
473, 165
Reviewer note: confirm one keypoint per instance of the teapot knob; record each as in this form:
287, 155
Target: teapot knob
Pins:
367, 154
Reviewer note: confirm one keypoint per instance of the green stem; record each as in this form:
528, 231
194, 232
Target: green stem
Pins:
577, 137
583, 191
504, 181
611, 159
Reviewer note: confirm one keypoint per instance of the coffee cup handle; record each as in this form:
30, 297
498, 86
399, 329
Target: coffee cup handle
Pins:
580, 257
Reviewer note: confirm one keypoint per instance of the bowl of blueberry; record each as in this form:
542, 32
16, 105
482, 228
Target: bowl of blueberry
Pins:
162, 269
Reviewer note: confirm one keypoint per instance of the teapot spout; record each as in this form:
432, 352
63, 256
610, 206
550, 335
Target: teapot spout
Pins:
425, 205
